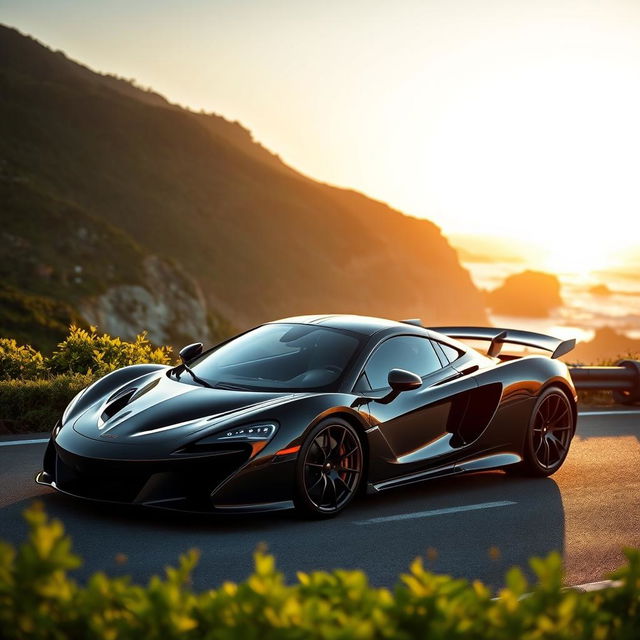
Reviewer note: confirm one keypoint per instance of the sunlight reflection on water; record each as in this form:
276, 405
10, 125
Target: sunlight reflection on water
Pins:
583, 311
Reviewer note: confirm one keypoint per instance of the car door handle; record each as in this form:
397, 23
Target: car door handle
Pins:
467, 370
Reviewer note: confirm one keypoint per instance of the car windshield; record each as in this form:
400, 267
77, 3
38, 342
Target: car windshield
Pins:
274, 357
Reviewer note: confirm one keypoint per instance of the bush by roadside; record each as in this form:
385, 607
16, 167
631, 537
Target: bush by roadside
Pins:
31, 406
89, 352
35, 388
39, 600
20, 362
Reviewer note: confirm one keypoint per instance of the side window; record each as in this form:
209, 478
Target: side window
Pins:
411, 353
450, 353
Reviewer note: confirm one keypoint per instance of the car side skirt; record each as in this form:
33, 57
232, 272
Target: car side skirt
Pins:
479, 463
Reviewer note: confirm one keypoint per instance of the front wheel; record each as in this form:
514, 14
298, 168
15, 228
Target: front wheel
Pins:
549, 434
329, 470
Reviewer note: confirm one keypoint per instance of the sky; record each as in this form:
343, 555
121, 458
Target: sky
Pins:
515, 119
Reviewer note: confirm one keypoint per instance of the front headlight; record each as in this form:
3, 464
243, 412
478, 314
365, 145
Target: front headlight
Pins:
260, 432
252, 433
256, 435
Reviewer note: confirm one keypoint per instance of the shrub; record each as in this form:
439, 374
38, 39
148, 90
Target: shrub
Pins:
89, 352
28, 406
34, 390
17, 361
39, 600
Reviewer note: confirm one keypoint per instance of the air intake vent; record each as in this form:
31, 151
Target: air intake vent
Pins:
116, 403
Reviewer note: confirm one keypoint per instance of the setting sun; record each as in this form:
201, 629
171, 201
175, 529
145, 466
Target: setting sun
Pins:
543, 151
557, 257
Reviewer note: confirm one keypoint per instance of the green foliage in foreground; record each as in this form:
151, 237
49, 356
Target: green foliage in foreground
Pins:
35, 389
32, 406
39, 600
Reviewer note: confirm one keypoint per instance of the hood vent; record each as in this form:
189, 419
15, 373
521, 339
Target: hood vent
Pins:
116, 403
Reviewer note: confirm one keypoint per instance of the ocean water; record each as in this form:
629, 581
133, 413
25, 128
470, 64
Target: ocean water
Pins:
583, 311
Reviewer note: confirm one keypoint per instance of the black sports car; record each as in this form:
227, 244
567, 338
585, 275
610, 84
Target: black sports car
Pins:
307, 411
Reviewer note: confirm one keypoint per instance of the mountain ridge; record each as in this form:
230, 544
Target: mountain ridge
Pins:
256, 237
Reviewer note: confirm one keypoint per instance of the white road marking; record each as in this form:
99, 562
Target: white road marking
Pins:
596, 586
437, 512
11, 443
628, 412
584, 588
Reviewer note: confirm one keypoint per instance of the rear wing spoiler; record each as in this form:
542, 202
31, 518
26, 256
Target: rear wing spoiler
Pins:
498, 337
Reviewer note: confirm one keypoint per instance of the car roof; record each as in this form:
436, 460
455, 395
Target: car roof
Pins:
365, 325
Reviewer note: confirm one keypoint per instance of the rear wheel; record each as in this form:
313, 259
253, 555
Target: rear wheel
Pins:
549, 435
330, 469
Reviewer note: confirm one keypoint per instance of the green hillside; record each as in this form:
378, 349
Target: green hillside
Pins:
141, 177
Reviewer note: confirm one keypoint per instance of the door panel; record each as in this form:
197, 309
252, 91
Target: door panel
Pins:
420, 425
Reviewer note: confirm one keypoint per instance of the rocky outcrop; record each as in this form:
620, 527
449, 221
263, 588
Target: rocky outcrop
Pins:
168, 305
600, 289
607, 346
530, 293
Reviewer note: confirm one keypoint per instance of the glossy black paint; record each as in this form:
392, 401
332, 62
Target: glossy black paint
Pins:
136, 435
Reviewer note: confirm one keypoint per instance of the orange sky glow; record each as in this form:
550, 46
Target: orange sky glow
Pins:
517, 120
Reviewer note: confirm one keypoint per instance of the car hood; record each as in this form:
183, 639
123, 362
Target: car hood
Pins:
156, 407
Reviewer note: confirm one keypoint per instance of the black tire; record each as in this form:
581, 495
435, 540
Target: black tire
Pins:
549, 434
329, 470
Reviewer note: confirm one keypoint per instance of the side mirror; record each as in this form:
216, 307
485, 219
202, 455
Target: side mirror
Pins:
190, 352
400, 380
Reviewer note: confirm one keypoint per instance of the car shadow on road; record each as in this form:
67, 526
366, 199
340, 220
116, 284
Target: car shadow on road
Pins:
481, 543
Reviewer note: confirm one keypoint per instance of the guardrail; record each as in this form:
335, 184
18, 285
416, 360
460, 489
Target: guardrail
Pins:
623, 380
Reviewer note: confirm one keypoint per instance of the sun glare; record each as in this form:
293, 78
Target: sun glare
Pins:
578, 261
543, 151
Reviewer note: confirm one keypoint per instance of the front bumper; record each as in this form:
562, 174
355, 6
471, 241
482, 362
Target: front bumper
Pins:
222, 481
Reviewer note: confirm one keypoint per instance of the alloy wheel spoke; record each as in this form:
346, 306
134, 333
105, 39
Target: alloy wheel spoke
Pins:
547, 452
557, 417
560, 446
327, 444
346, 455
339, 444
332, 484
344, 484
349, 469
319, 442
324, 490
315, 484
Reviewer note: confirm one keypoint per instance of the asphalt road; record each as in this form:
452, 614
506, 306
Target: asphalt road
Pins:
588, 511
